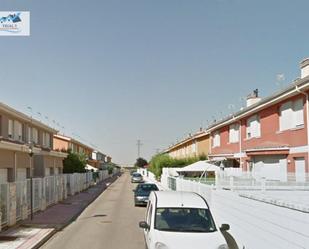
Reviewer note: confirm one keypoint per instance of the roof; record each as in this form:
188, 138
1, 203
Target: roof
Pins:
179, 199
69, 139
186, 140
200, 166
11, 111
291, 90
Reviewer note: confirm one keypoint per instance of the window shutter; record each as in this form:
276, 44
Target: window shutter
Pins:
286, 119
298, 113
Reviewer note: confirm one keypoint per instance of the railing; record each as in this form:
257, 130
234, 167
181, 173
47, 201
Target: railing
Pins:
249, 181
46, 191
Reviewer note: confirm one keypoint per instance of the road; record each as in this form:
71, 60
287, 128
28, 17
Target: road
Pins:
110, 222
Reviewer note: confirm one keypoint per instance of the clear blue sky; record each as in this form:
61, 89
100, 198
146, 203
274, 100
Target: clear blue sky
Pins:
117, 71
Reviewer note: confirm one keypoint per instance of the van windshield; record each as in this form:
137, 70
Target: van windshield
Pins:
184, 220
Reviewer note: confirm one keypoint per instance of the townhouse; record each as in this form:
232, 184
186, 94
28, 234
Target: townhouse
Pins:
26, 147
270, 136
64, 143
97, 159
194, 146
108, 159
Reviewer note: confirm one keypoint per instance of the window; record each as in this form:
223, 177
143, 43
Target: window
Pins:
149, 213
29, 134
184, 220
291, 115
253, 126
234, 133
17, 131
193, 147
10, 129
46, 140
35, 137
216, 139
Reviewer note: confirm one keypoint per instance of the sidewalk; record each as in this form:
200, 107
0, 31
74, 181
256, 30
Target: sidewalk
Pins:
33, 233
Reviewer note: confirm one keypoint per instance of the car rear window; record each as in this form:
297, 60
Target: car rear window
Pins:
136, 174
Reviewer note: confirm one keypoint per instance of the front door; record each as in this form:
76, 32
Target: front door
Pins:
300, 170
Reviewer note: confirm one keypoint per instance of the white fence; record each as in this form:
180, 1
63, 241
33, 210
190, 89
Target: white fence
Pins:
15, 196
249, 181
254, 224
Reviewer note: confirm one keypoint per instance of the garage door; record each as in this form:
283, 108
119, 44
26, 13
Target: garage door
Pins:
270, 167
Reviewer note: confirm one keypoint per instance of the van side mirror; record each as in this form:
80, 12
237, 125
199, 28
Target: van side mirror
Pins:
224, 227
144, 225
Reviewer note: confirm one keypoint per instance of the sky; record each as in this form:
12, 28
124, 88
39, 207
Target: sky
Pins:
112, 72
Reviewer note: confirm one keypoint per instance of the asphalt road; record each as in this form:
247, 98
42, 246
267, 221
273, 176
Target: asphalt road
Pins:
110, 222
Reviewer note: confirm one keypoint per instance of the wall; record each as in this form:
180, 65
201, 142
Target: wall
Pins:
59, 144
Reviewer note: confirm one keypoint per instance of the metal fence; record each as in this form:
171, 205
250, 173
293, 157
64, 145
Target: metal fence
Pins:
45, 192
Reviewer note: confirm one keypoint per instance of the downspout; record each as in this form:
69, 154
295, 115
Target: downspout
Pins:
240, 146
307, 117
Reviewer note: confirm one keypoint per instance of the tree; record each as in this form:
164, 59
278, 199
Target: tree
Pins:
140, 162
74, 163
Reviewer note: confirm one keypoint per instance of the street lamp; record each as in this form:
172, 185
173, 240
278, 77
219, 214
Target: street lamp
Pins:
31, 185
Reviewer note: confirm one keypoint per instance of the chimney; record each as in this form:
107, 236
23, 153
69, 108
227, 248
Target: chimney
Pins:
304, 67
253, 98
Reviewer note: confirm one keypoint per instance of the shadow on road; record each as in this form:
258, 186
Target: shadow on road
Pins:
230, 240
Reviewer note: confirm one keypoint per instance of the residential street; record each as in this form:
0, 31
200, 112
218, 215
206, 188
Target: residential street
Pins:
111, 221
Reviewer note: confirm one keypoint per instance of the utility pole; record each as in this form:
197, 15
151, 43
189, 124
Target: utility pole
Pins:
139, 144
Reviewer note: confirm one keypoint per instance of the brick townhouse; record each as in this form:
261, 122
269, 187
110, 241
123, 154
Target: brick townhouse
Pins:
65, 143
19, 133
270, 136
193, 146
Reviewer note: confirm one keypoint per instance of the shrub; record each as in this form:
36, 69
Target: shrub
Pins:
160, 161
74, 163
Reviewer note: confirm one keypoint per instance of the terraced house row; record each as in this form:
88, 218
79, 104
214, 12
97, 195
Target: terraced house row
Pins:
22, 136
268, 137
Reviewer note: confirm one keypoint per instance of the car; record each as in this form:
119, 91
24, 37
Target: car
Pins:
137, 178
142, 192
181, 220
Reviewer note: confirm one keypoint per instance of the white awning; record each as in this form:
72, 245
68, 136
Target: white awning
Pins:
200, 166
218, 158
89, 167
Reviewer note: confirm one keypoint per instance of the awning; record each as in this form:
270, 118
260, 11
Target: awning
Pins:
200, 166
268, 151
89, 167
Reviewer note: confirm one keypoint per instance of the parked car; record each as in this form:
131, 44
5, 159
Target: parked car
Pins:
181, 220
142, 192
137, 178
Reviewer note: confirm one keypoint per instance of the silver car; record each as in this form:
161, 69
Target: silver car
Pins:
137, 178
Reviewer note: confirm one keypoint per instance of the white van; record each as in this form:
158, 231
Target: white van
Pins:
181, 220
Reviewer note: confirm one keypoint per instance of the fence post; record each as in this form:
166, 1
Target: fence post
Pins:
12, 204
43, 198
263, 184
24, 206
232, 183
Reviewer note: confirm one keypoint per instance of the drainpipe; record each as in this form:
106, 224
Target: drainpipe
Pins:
307, 117
240, 146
